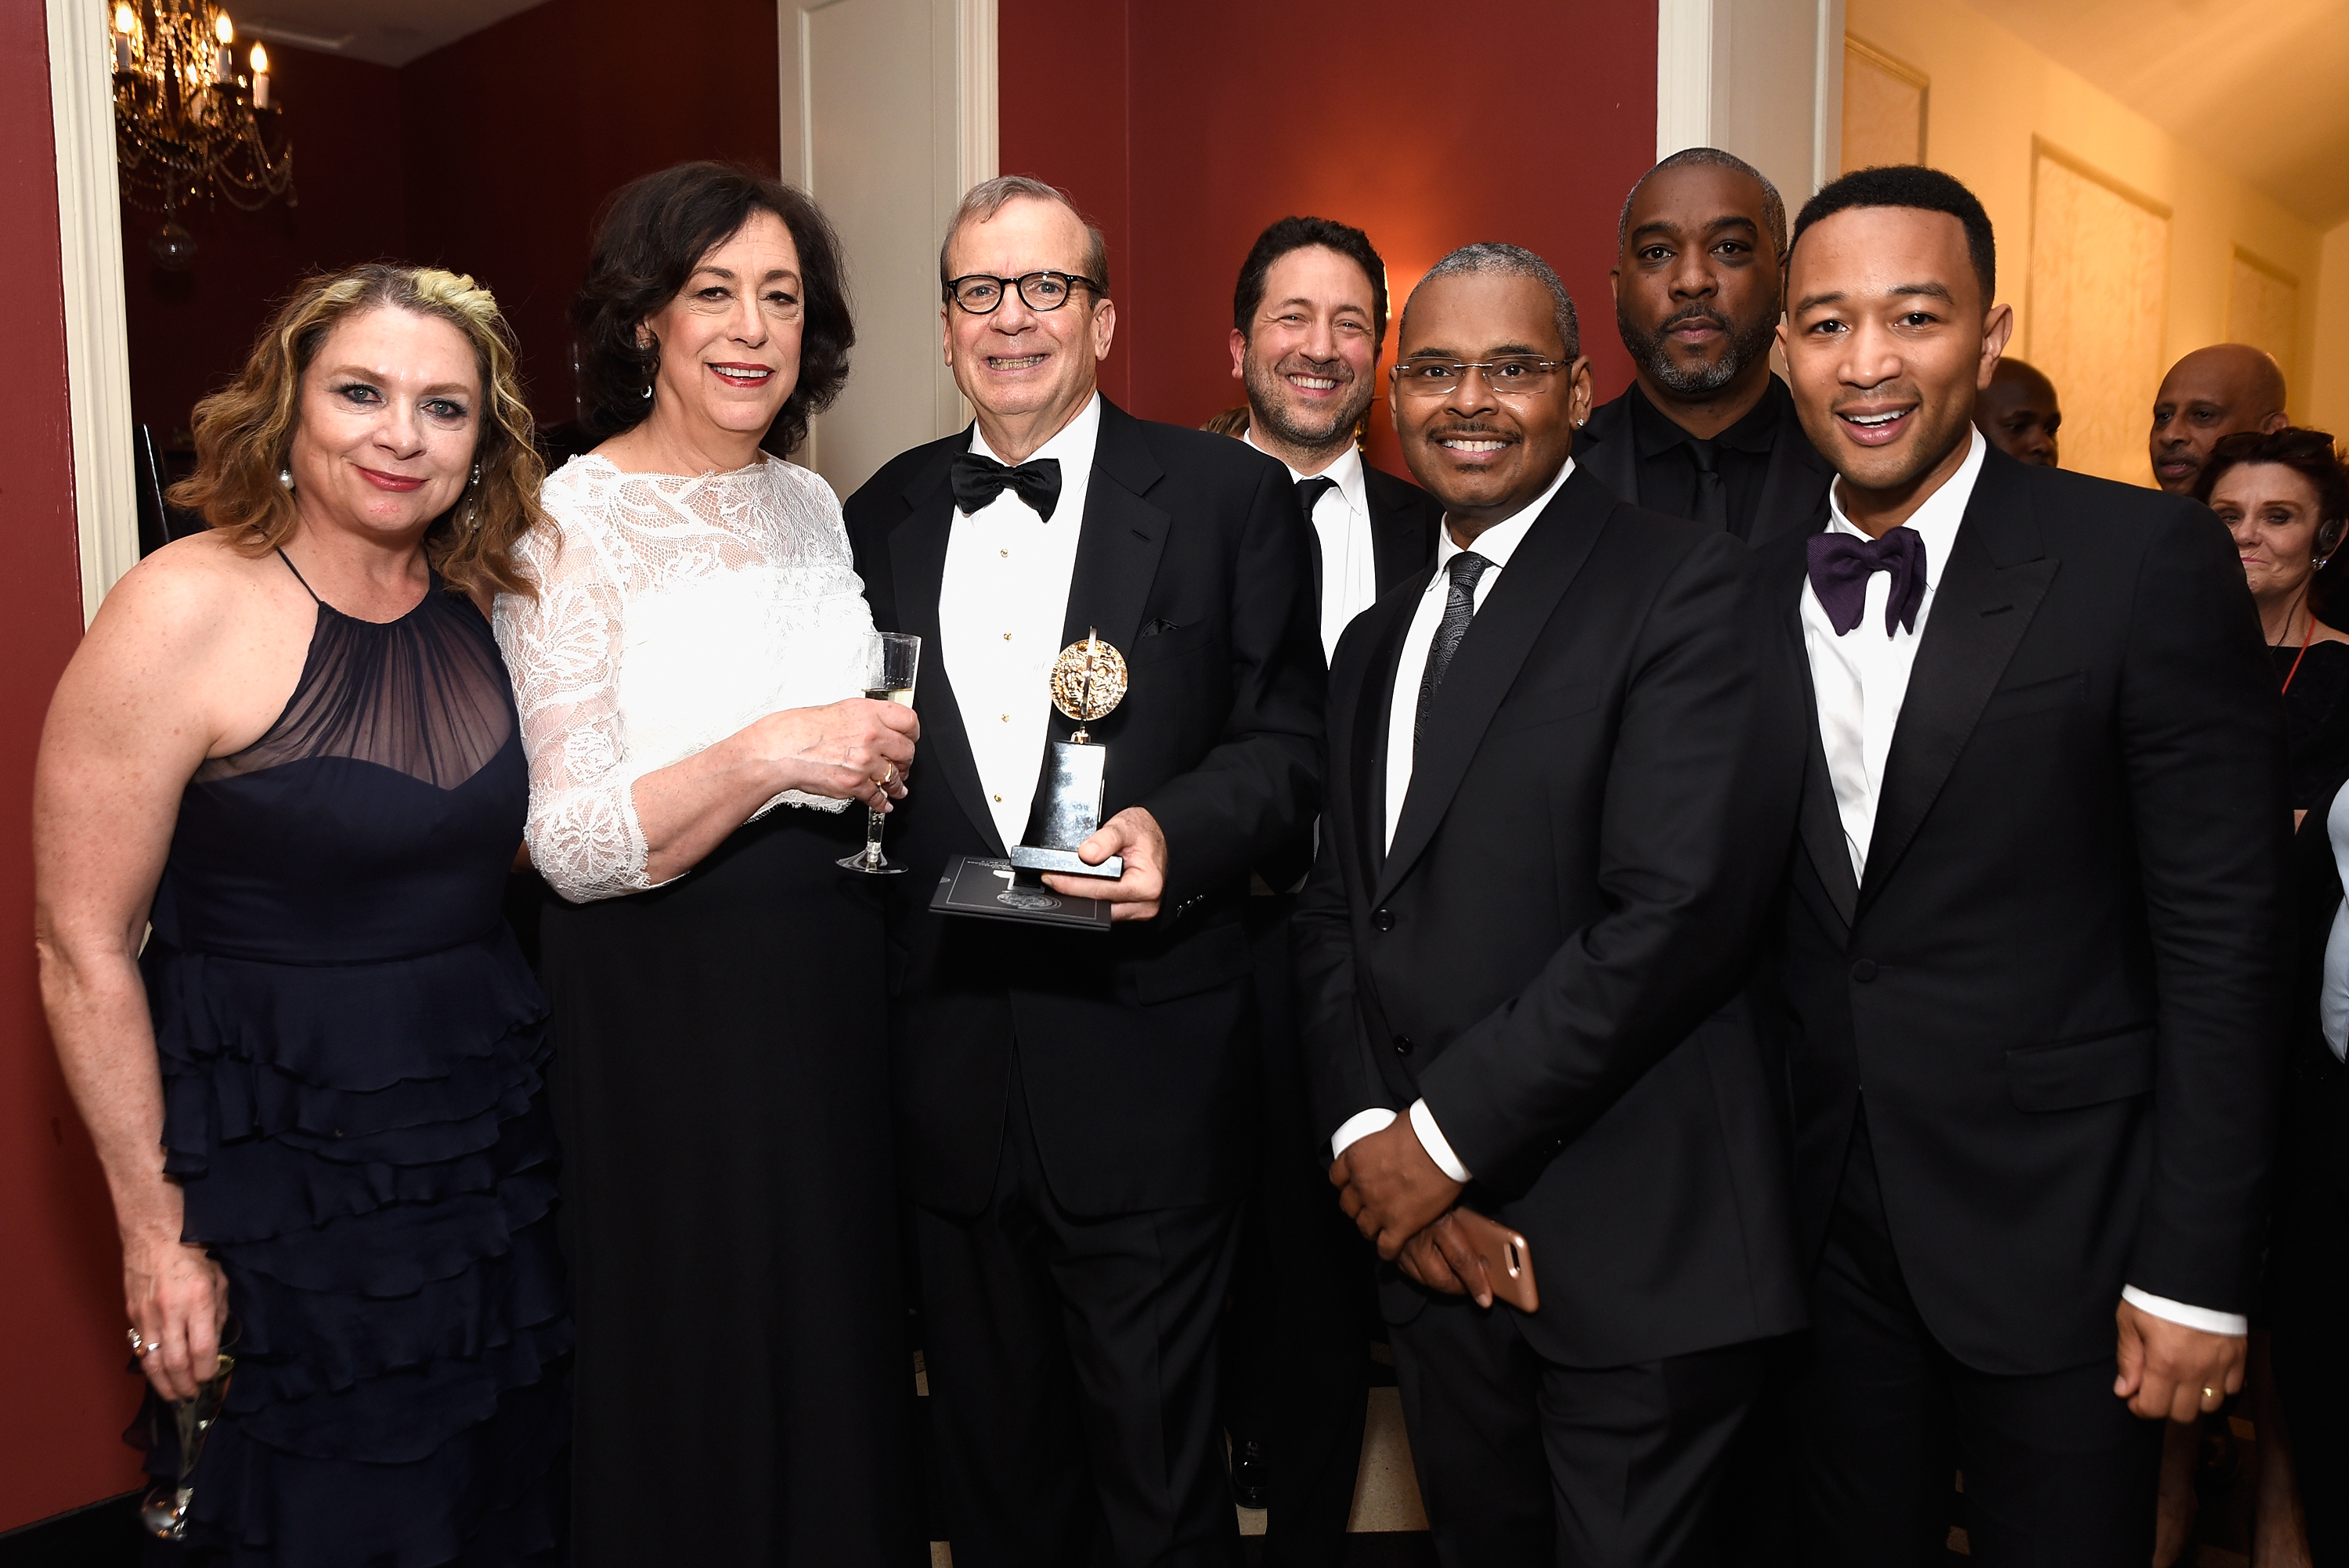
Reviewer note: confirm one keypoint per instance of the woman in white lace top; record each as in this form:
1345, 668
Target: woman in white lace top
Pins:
688, 683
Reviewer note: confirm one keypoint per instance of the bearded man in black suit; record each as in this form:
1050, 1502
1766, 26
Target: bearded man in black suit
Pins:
1308, 319
2033, 972
1537, 893
1076, 1110
1705, 430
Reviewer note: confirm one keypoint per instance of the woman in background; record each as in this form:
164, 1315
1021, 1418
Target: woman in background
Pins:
2284, 495
289, 743
689, 676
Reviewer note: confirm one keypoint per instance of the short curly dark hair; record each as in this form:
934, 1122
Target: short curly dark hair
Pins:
653, 234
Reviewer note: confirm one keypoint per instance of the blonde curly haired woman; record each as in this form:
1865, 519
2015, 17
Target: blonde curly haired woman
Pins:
286, 752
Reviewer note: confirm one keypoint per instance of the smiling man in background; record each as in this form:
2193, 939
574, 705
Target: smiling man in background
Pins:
1704, 431
1309, 317
2033, 982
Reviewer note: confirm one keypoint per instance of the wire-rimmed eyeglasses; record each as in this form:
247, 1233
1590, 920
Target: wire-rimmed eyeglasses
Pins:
980, 294
1514, 377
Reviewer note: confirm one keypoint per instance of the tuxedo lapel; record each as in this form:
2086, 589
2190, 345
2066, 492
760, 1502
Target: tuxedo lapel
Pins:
1997, 574
1365, 754
917, 559
1794, 497
1489, 656
1403, 538
1117, 553
1820, 821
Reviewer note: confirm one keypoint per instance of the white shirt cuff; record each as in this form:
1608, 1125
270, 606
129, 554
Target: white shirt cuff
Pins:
1359, 1125
1431, 1137
2233, 1324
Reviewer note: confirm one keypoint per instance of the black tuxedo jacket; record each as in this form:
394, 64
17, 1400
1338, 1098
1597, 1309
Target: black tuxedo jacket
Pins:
1135, 1047
1568, 896
1793, 489
1404, 520
2061, 985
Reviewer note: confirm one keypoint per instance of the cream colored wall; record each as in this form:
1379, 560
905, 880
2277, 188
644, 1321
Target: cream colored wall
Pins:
2328, 392
1991, 93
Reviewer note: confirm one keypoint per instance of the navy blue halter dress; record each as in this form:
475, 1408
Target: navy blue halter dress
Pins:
351, 1049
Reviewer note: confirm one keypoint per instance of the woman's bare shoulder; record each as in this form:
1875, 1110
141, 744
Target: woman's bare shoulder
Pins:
191, 592
2319, 632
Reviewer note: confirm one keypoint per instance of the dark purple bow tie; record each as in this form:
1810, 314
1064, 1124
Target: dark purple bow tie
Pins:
1841, 566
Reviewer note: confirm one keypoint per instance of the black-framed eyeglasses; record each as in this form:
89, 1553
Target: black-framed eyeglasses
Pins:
1514, 377
980, 294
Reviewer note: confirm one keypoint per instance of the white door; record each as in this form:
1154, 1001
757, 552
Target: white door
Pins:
888, 117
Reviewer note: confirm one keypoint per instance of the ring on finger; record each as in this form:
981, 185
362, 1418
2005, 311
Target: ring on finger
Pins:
138, 1345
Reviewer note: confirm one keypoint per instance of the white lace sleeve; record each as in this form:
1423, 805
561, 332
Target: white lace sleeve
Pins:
561, 652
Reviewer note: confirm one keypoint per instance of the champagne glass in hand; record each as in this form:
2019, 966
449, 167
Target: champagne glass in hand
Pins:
887, 676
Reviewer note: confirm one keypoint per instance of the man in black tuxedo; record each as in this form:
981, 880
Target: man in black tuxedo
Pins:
1706, 431
1077, 1111
2033, 976
1309, 318
1534, 892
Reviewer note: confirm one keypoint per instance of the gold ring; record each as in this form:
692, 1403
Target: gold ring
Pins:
2209, 1392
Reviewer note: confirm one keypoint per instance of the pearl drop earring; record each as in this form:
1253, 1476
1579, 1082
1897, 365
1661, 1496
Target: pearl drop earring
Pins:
285, 477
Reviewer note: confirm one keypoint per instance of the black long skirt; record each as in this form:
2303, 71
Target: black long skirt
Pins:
744, 1389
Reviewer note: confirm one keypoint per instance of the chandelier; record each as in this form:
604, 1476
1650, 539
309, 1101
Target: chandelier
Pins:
189, 124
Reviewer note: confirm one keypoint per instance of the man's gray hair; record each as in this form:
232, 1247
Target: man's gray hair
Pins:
1773, 206
988, 197
1509, 260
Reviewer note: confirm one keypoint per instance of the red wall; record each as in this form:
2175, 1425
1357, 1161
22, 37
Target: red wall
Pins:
518, 134
1199, 124
190, 330
66, 1395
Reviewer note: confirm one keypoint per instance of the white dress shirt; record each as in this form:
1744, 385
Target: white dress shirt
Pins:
1341, 522
1003, 599
1860, 680
1495, 544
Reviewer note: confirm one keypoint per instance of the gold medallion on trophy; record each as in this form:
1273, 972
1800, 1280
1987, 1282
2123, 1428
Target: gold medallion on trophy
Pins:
1088, 681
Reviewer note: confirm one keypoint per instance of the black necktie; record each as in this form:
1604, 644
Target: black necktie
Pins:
1309, 496
978, 479
1459, 609
1841, 565
1712, 493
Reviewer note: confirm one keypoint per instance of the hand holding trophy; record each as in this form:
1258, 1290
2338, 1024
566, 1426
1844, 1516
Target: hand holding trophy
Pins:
1088, 683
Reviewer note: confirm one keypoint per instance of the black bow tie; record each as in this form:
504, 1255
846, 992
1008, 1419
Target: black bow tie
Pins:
1841, 566
978, 479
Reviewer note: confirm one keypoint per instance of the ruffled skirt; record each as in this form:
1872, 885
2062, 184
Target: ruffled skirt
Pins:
365, 1150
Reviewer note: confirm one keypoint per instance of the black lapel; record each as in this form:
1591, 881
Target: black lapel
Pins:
1794, 497
1367, 754
1784, 567
1997, 574
1489, 657
1117, 553
1402, 534
1610, 449
918, 558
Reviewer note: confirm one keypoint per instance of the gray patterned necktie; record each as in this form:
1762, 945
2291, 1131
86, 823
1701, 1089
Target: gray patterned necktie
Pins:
1459, 609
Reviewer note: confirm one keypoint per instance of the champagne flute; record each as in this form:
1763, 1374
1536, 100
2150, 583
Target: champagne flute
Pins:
887, 664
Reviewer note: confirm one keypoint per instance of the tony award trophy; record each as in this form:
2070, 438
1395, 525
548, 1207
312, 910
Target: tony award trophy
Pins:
1088, 681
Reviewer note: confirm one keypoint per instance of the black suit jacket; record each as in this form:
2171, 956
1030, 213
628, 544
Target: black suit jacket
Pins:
1135, 1047
1404, 520
2061, 985
1794, 492
1567, 898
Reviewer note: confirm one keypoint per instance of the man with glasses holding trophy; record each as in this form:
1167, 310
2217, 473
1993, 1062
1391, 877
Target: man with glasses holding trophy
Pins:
1538, 879
1121, 690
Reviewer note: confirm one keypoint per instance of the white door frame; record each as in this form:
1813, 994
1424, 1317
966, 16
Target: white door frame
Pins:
90, 251
1698, 96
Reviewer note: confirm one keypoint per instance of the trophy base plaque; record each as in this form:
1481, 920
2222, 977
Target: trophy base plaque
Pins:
997, 890
1072, 791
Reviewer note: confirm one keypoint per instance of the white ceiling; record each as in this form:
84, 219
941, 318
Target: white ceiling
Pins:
2256, 85
386, 32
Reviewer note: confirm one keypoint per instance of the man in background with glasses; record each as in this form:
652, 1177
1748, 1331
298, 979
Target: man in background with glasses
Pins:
1308, 319
1531, 899
1077, 1111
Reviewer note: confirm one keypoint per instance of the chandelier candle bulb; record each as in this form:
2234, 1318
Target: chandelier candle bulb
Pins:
260, 76
224, 57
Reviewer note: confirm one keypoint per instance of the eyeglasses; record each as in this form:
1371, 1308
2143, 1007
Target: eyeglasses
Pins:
980, 293
1510, 377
